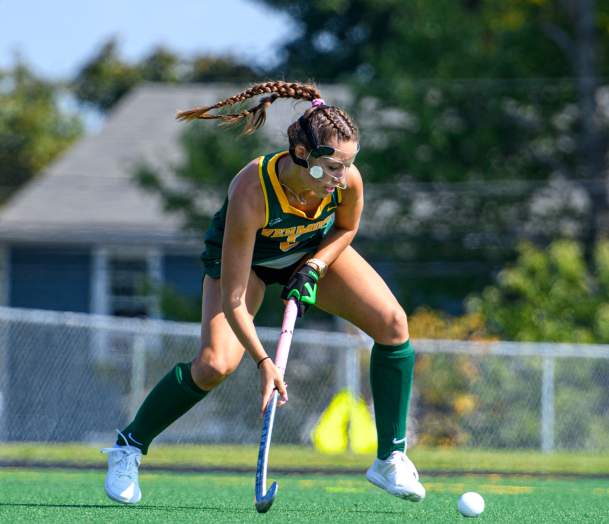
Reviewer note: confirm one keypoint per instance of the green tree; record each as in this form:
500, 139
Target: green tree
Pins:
107, 77
469, 109
550, 294
208, 68
396, 41
34, 129
161, 65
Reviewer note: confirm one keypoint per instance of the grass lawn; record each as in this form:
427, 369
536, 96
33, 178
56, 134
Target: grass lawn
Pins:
66, 496
293, 457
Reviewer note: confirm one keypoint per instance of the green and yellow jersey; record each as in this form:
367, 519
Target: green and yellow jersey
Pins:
288, 233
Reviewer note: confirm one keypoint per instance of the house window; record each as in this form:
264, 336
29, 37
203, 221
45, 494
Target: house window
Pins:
129, 287
124, 282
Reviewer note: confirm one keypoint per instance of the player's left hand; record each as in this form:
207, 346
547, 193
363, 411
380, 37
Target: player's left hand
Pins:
303, 287
270, 379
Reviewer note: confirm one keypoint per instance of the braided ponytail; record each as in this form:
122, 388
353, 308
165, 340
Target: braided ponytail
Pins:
256, 116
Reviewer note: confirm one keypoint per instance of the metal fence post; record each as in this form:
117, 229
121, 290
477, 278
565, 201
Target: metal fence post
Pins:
138, 374
348, 377
4, 329
353, 386
547, 405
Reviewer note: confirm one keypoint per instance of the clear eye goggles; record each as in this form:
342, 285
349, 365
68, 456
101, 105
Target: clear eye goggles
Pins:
325, 164
333, 169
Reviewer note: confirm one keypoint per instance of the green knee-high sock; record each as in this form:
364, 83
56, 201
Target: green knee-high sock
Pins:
391, 374
173, 396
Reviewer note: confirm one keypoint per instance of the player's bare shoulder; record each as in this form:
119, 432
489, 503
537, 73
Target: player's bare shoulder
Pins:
246, 192
355, 185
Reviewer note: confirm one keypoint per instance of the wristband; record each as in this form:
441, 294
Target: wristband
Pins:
319, 265
261, 361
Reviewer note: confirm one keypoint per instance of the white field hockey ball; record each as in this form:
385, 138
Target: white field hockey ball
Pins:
470, 504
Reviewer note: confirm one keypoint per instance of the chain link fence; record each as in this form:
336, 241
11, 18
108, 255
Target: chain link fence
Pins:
74, 377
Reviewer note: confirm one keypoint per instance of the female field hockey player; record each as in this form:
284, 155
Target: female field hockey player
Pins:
289, 218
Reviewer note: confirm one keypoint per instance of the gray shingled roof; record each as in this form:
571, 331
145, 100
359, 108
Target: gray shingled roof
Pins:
88, 195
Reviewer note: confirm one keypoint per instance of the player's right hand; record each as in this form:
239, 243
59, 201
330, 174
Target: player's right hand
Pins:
302, 286
270, 379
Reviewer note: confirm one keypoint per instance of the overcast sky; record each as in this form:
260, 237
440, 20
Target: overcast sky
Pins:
56, 37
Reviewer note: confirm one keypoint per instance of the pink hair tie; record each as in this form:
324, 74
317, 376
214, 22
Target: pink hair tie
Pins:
318, 102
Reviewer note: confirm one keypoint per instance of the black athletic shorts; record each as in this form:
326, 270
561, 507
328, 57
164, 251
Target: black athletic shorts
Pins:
275, 276
267, 274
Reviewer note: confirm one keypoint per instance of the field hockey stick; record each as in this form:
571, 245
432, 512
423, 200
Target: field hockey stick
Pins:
264, 498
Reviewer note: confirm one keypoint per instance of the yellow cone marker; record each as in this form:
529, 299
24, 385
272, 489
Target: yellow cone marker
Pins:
345, 418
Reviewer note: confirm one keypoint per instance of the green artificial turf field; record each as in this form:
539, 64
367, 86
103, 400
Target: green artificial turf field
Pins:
66, 496
306, 459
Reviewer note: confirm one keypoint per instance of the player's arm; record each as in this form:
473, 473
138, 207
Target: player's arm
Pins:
245, 215
346, 221
303, 284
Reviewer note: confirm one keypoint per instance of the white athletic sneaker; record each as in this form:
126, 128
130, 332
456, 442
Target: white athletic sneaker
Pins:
398, 476
122, 483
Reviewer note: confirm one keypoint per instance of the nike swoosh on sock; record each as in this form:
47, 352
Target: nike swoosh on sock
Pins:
130, 437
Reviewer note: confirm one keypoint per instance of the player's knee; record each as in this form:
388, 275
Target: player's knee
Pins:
395, 327
209, 371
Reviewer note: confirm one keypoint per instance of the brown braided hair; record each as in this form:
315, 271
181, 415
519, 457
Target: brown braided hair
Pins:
326, 121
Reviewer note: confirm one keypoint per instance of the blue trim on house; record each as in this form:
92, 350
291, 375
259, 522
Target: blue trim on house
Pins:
56, 278
183, 274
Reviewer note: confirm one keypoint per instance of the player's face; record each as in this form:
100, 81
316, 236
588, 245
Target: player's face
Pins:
335, 167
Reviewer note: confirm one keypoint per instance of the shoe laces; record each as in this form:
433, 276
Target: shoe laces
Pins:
129, 459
